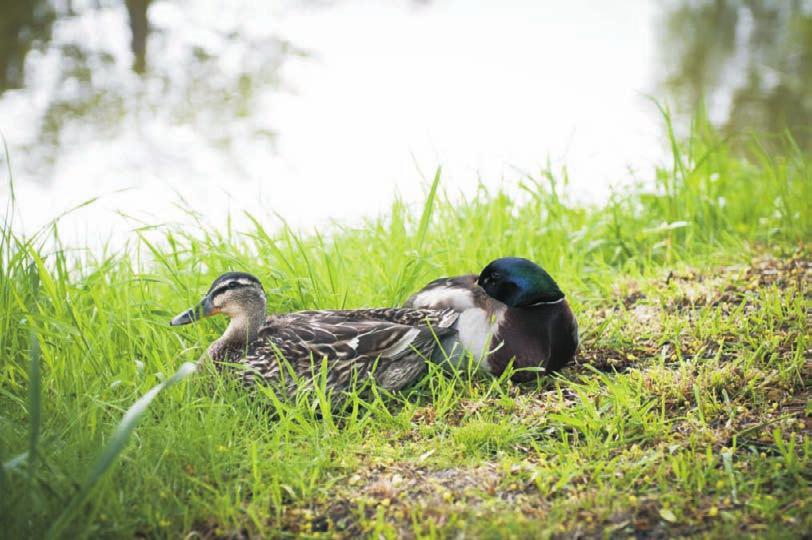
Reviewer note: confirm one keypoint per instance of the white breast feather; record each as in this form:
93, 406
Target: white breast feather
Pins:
475, 330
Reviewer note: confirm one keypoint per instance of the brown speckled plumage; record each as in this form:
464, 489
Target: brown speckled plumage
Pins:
351, 341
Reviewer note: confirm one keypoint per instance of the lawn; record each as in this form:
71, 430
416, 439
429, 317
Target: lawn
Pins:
687, 412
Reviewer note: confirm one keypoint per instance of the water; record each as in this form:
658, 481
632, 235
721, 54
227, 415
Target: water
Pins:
314, 111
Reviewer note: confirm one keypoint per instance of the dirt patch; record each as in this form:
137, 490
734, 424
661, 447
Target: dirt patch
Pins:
607, 360
728, 288
650, 520
732, 286
394, 493
210, 530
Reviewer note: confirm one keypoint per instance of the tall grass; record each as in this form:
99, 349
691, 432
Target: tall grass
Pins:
85, 346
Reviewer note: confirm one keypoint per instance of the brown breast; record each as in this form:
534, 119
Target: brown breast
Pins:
542, 336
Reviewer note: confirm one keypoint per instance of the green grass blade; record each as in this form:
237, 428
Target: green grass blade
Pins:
428, 209
117, 443
35, 405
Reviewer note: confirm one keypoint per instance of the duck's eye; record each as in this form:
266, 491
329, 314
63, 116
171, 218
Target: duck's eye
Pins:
496, 275
232, 285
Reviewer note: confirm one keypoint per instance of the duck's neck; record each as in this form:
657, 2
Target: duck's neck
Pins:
242, 330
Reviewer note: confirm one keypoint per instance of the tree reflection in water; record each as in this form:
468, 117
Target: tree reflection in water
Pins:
24, 23
71, 55
750, 60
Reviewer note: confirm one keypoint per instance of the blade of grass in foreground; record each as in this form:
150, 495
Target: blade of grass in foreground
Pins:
35, 403
117, 443
35, 394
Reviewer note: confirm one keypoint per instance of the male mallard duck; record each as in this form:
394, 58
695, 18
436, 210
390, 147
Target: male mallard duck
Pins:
512, 310
353, 341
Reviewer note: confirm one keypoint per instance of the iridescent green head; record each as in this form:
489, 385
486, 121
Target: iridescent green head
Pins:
519, 283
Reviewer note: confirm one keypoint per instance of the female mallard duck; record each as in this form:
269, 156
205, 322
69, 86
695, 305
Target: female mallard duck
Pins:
393, 341
513, 310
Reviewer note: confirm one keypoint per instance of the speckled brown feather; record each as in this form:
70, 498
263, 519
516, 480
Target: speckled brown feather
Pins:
290, 348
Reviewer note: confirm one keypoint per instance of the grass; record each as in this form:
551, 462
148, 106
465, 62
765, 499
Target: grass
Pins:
688, 411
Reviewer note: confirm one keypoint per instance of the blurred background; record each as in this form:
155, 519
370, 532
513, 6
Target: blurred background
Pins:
314, 111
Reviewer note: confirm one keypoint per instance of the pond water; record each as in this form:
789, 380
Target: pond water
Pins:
315, 110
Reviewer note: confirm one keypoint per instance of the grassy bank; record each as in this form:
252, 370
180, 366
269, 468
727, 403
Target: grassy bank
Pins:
688, 412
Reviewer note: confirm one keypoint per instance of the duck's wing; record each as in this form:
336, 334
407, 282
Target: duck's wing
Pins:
294, 347
409, 316
457, 293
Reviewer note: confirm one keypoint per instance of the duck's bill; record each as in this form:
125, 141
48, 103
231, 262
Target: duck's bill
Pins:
203, 309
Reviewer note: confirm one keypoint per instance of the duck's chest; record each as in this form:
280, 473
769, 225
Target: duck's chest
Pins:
537, 338
519, 334
496, 338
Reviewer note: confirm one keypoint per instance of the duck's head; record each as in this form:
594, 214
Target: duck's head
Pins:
519, 283
237, 295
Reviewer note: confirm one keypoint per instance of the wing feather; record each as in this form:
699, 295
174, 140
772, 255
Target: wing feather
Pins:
396, 340
457, 293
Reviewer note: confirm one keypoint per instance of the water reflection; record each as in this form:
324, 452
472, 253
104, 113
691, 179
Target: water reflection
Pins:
85, 68
750, 59
275, 103
23, 24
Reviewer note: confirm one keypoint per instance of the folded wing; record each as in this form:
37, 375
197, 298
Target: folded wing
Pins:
457, 293
393, 341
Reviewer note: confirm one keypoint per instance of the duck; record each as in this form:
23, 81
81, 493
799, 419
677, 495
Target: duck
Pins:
512, 311
390, 345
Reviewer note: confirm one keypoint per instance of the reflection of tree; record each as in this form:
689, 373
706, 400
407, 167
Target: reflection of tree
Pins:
25, 24
216, 81
755, 53
139, 26
22, 24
